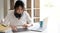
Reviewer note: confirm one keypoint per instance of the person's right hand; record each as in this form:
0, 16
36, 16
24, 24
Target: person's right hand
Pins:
14, 28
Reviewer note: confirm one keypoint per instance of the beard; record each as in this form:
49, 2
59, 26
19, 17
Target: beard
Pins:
17, 15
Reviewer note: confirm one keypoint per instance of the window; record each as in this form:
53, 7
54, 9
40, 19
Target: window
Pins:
11, 4
33, 8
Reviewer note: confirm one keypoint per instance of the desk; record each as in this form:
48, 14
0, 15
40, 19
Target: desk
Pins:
31, 32
28, 31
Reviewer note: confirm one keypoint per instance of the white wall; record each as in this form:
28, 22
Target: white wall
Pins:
4, 7
1, 9
51, 9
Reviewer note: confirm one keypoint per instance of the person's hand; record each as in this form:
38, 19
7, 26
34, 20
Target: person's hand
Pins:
27, 25
14, 28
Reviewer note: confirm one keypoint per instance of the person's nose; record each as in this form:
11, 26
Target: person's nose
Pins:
19, 10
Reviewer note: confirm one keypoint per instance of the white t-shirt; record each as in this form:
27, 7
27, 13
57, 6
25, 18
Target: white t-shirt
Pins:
12, 20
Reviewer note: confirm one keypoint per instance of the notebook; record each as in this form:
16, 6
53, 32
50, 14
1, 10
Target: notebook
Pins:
35, 27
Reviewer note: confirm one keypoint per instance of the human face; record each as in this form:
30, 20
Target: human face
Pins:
19, 10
